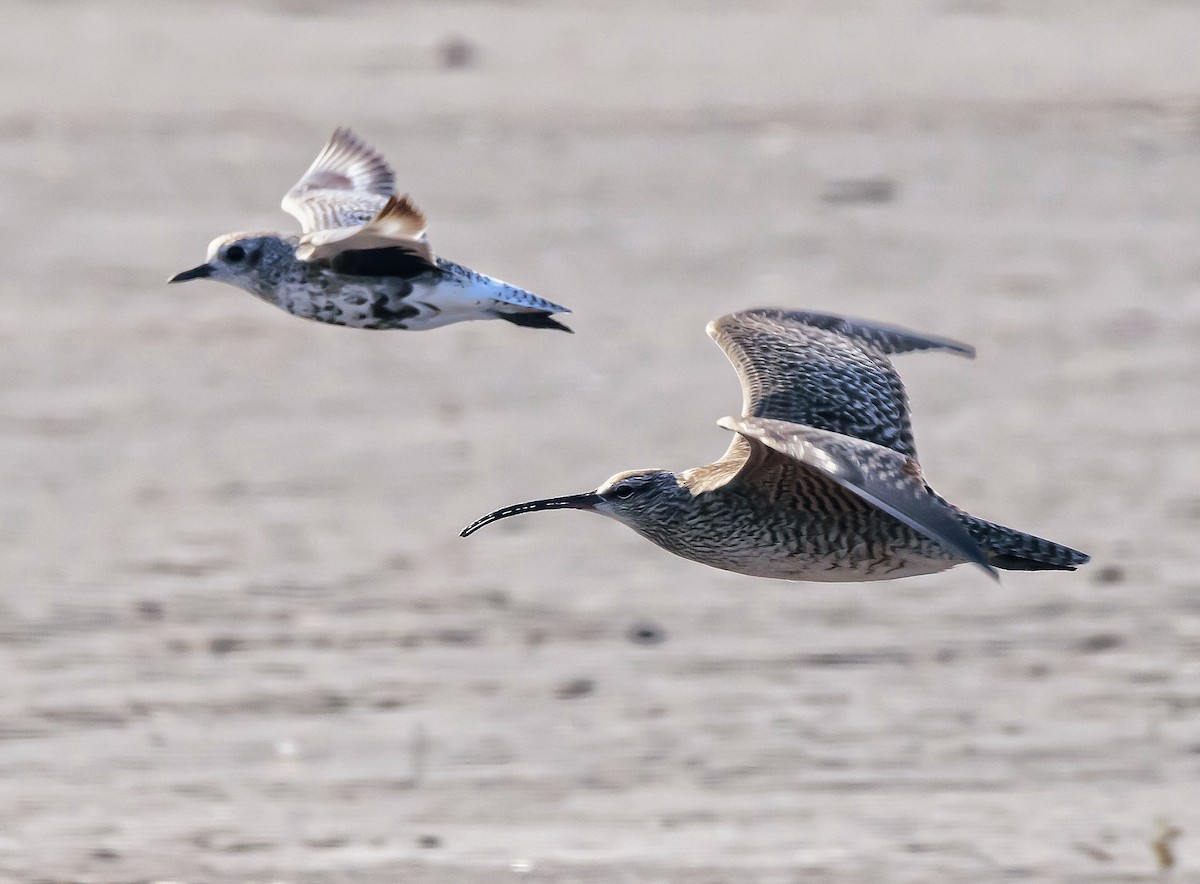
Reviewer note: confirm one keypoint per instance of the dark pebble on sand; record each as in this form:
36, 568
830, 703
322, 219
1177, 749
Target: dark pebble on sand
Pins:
456, 53
1095, 644
859, 190
224, 644
646, 634
576, 687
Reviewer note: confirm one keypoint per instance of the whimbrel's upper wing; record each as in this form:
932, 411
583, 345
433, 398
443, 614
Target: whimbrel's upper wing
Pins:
884, 478
824, 371
347, 184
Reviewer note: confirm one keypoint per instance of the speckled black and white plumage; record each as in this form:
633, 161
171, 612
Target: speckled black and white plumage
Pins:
363, 259
821, 481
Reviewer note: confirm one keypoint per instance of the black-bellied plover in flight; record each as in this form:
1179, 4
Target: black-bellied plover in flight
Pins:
364, 259
821, 481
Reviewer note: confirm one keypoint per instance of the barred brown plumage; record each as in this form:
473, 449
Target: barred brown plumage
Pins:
821, 481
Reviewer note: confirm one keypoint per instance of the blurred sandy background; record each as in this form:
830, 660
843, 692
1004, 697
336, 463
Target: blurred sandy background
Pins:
240, 639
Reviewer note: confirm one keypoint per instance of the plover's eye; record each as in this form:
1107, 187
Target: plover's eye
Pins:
624, 492
234, 254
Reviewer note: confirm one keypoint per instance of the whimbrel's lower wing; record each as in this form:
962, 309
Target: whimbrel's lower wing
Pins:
346, 186
880, 476
824, 371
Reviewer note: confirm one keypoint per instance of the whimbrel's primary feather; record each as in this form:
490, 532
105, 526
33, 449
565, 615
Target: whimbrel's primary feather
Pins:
824, 371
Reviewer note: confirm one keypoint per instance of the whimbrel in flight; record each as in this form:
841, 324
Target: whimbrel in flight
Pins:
364, 259
821, 481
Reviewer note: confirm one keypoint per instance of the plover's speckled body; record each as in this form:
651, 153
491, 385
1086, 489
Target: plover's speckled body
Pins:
363, 259
821, 481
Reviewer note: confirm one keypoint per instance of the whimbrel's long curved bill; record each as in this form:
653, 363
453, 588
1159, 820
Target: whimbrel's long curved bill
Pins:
195, 273
571, 502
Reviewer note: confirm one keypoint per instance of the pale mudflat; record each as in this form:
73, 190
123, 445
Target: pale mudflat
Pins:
240, 639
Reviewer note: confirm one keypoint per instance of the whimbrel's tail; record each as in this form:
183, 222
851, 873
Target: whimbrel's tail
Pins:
1015, 551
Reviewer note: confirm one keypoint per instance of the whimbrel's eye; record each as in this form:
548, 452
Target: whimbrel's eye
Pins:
624, 492
234, 254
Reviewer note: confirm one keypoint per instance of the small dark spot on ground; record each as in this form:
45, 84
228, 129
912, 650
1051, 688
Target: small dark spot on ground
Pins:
148, 609
872, 657
107, 854
576, 687
647, 633
844, 191
1150, 677
496, 598
225, 644
458, 636
1099, 854
456, 53
331, 843
1109, 574
1100, 642
331, 702
429, 841
398, 562
246, 846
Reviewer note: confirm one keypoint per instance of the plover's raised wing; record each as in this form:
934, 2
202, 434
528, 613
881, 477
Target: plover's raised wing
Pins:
882, 477
392, 243
346, 186
824, 371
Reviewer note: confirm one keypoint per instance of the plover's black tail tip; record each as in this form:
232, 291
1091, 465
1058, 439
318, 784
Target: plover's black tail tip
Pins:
537, 319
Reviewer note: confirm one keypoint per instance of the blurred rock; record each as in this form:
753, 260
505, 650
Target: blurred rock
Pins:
456, 52
646, 633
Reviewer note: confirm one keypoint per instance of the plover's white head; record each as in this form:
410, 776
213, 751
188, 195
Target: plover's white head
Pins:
250, 261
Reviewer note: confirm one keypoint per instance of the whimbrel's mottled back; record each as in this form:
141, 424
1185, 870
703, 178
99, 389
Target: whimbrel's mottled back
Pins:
364, 258
821, 481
